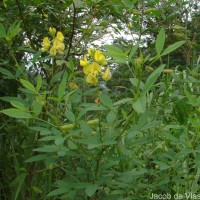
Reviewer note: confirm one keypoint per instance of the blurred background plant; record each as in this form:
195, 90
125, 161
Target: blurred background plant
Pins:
125, 138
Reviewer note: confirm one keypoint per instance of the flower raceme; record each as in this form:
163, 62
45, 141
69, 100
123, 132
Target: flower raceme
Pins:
56, 46
93, 69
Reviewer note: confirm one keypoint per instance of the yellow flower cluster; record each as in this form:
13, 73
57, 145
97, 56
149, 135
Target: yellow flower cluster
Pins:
92, 70
56, 46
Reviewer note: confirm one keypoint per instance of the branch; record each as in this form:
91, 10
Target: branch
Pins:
72, 34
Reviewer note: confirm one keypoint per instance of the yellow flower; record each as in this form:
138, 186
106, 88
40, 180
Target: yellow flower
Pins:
58, 44
99, 58
95, 68
52, 31
91, 52
106, 75
52, 51
60, 36
46, 44
91, 79
84, 62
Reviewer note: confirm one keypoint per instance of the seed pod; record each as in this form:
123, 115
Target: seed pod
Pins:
93, 122
179, 35
177, 27
67, 127
150, 10
148, 68
138, 66
168, 71
135, 12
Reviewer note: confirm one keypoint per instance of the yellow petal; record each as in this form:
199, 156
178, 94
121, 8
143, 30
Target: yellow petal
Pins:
46, 44
87, 69
58, 44
106, 75
91, 52
60, 36
91, 79
99, 58
52, 51
95, 68
84, 62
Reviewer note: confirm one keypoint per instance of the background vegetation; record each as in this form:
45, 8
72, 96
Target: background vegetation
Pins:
126, 138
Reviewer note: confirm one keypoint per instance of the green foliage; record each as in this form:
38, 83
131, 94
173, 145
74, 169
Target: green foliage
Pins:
124, 138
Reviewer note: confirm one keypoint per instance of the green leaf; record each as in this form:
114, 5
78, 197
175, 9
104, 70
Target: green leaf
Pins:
37, 158
62, 86
115, 52
18, 104
2, 31
172, 47
91, 189
85, 128
48, 149
56, 77
70, 115
160, 41
111, 117
14, 29
105, 100
36, 56
132, 53
20, 180
122, 101
28, 85
16, 113
113, 49
6, 72
152, 79
58, 191
140, 104
39, 83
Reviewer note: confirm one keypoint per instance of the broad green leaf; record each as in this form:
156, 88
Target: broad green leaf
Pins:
18, 104
122, 101
59, 191
49, 149
172, 47
56, 77
37, 158
62, 86
37, 108
59, 140
70, 115
111, 117
140, 104
160, 41
113, 49
16, 113
28, 85
42, 130
91, 189
39, 83
152, 79
6, 72
85, 128
2, 31
105, 100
